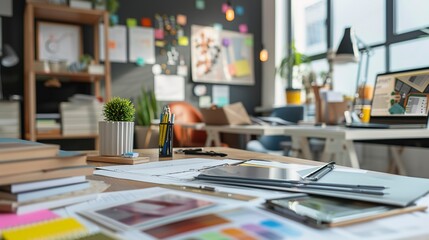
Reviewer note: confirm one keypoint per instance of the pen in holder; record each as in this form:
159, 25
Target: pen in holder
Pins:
166, 146
166, 133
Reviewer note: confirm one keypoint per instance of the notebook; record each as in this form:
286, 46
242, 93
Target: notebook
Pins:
400, 100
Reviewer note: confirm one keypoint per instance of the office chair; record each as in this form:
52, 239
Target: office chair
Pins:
187, 113
278, 144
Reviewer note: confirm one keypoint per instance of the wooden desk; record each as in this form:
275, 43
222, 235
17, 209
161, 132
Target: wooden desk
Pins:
339, 142
120, 184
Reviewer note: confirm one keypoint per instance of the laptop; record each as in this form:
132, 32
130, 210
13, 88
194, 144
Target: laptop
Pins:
400, 100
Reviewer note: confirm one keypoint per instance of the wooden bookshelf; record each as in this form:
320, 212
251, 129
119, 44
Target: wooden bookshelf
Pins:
61, 14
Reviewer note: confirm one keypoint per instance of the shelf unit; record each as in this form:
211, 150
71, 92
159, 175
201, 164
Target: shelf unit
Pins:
63, 14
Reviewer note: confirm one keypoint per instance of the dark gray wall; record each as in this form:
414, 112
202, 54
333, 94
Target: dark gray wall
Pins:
128, 74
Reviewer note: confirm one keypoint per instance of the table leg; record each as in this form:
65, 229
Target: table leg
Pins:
340, 150
213, 136
351, 152
396, 162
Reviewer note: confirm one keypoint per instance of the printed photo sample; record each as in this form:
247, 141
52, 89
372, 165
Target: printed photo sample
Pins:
139, 213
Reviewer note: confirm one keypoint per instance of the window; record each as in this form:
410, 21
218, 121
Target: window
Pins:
409, 54
309, 26
411, 15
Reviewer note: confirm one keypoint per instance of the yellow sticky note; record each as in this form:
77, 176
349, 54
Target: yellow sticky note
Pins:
242, 68
160, 43
183, 41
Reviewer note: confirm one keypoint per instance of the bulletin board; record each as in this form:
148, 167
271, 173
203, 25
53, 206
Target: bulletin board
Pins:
221, 56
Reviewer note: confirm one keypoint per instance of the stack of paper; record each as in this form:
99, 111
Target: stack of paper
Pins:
80, 118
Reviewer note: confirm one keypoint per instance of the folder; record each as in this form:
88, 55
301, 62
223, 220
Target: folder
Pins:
393, 189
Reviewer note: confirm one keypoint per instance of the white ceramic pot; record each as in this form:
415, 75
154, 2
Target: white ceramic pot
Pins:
116, 138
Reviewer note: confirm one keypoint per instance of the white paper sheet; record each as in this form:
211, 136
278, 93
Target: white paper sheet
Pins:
117, 43
220, 95
142, 44
169, 88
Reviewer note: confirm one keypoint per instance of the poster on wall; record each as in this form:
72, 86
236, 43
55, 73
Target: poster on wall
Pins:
142, 44
221, 56
169, 88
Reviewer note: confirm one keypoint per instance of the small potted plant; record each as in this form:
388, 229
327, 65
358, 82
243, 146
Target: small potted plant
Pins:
292, 69
146, 111
117, 129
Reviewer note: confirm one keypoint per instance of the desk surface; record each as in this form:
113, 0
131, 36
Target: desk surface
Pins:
120, 184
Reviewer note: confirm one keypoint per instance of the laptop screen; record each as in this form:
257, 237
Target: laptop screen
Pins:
401, 94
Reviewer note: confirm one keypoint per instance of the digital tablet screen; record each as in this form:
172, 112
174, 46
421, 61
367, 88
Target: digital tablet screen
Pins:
327, 210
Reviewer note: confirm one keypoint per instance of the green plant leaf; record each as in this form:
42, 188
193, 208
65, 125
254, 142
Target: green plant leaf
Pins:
119, 110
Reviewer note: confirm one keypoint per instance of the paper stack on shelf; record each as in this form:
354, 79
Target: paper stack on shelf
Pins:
79, 118
48, 124
37, 172
9, 119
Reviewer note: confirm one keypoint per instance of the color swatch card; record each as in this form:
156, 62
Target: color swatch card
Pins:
132, 215
8, 220
238, 223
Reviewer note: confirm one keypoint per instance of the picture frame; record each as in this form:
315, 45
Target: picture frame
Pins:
58, 42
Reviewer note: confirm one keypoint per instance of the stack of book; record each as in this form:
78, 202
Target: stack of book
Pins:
48, 124
80, 118
10, 119
39, 176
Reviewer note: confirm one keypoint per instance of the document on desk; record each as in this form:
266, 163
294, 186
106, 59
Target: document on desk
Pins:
181, 172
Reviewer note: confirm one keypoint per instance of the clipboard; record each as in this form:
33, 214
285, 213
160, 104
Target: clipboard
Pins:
325, 212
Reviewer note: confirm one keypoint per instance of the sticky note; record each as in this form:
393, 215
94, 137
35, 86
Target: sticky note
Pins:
114, 19
183, 41
242, 68
218, 26
200, 4
182, 70
181, 19
140, 62
239, 10
160, 43
248, 41
131, 22
243, 28
156, 69
180, 33
146, 22
231, 69
159, 33
224, 7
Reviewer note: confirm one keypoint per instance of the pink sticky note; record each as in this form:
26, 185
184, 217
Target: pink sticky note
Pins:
159, 33
224, 7
232, 69
243, 28
181, 19
8, 220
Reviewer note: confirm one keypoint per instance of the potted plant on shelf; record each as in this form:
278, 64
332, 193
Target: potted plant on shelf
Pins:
117, 129
292, 68
146, 111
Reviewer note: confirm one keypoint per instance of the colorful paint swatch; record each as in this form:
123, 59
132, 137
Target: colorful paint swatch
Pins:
181, 19
159, 34
218, 26
186, 225
200, 4
131, 22
243, 28
239, 10
242, 68
8, 220
280, 227
183, 41
263, 232
237, 233
146, 22
213, 236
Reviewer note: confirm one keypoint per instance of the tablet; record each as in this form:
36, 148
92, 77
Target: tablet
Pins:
322, 212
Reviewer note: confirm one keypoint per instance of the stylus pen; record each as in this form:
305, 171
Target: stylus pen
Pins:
319, 172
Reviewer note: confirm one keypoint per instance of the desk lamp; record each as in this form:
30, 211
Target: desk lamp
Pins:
348, 51
8, 59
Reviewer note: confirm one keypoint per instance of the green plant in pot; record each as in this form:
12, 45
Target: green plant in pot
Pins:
117, 129
291, 69
147, 109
